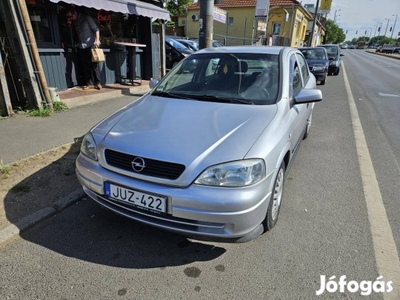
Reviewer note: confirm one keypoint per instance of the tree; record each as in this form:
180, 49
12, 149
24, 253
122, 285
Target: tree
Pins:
333, 34
177, 8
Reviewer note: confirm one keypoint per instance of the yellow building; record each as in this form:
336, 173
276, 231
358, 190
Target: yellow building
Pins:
287, 23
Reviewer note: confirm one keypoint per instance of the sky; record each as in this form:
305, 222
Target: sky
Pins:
362, 15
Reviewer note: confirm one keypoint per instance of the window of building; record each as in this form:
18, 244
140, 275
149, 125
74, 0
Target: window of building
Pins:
230, 21
276, 28
42, 17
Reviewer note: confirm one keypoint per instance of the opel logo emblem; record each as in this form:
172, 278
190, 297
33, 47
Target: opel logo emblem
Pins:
138, 164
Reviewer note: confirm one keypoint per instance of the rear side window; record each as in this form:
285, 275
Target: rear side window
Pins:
303, 68
295, 76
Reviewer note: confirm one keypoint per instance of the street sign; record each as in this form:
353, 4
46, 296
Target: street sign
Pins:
219, 15
262, 8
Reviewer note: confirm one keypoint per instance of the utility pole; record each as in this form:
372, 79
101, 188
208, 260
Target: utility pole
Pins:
387, 24
313, 25
394, 26
35, 52
206, 23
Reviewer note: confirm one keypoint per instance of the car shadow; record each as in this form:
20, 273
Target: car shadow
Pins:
83, 230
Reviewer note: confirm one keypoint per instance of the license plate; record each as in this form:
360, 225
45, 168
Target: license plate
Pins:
136, 198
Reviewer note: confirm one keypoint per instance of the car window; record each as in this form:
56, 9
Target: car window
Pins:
333, 51
304, 68
242, 78
295, 76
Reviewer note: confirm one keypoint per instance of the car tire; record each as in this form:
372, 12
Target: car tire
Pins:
322, 82
337, 72
276, 200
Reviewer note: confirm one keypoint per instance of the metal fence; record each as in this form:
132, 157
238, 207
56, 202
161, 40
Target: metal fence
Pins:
241, 41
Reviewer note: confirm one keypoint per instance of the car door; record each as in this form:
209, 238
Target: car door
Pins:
299, 79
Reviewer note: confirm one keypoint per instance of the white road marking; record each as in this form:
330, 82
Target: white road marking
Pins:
386, 255
388, 95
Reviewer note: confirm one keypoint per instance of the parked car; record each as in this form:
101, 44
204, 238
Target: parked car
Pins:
335, 58
191, 44
388, 48
214, 43
175, 52
205, 153
318, 62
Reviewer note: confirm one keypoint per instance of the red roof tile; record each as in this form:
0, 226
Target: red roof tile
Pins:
246, 3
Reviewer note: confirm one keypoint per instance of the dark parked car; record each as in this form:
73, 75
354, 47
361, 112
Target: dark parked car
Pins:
191, 44
206, 152
318, 62
175, 52
335, 60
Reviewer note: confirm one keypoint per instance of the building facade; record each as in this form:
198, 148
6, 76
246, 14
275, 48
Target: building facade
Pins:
124, 25
286, 23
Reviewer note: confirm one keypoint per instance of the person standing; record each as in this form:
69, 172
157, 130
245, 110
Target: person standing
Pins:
88, 35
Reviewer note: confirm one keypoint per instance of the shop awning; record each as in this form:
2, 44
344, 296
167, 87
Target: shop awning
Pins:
123, 6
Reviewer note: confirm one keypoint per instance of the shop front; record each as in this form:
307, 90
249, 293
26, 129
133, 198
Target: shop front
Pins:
131, 48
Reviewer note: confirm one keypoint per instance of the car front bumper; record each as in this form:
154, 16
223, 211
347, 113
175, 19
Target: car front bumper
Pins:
202, 212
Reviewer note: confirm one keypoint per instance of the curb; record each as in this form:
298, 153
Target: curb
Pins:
85, 99
21, 225
384, 54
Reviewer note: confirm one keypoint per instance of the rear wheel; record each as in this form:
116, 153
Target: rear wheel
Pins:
276, 200
322, 82
337, 72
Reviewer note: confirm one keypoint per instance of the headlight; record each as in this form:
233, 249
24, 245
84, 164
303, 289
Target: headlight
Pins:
88, 147
233, 174
318, 68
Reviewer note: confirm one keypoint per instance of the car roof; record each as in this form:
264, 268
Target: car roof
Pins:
246, 49
324, 45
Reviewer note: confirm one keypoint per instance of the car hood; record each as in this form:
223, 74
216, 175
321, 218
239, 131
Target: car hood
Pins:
312, 62
194, 133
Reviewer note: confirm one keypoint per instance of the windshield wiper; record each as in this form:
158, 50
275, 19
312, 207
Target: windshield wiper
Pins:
223, 99
169, 95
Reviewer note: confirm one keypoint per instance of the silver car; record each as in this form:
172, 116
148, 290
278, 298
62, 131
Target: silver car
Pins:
206, 151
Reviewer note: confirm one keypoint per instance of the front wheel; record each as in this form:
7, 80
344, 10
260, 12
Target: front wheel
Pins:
276, 200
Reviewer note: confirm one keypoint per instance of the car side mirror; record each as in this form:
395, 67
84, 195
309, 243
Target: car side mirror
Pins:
308, 96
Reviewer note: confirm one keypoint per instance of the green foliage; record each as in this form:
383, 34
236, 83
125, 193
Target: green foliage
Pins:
374, 41
40, 112
58, 106
4, 169
178, 7
333, 33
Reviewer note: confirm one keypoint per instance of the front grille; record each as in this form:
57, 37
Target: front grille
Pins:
154, 168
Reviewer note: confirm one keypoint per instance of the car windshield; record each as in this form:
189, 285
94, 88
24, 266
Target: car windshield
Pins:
176, 44
332, 51
220, 77
314, 53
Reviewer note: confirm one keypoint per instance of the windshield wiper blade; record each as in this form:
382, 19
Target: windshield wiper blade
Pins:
169, 95
223, 99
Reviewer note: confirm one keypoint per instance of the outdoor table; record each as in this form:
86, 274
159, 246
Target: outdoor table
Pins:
131, 76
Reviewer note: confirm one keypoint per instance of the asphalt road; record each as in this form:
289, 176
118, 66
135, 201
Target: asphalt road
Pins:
324, 227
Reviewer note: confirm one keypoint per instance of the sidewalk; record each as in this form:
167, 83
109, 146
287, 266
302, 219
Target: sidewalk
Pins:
25, 138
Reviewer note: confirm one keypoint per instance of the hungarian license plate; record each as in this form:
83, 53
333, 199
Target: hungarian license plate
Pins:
136, 198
